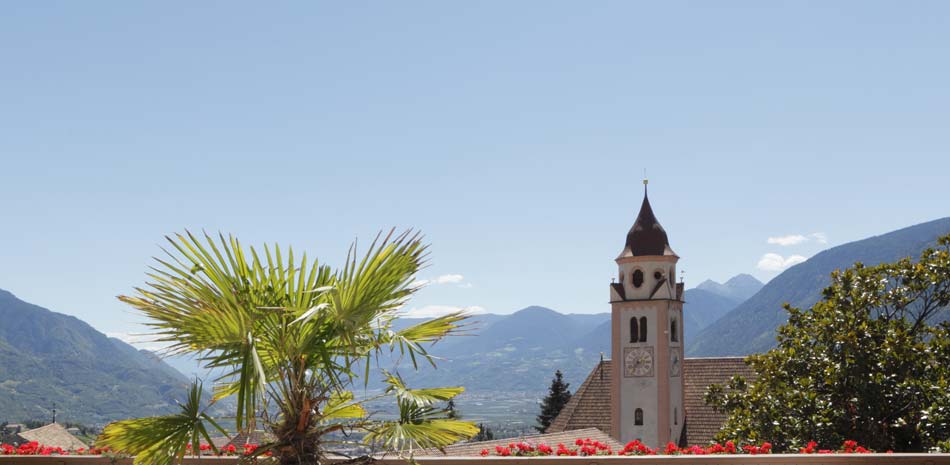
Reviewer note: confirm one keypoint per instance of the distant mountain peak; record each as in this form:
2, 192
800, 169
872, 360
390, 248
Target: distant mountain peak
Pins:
743, 286
743, 279
715, 287
536, 310
739, 287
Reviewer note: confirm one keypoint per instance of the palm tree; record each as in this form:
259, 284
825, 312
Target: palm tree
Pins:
293, 337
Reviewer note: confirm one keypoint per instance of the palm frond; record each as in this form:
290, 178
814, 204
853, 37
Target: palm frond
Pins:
288, 332
420, 424
409, 340
436, 433
342, 406
422, 397
162, 440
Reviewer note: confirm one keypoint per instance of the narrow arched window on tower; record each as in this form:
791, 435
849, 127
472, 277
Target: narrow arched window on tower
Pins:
674, 335
676, 416
638, 417
634, 332
643, 329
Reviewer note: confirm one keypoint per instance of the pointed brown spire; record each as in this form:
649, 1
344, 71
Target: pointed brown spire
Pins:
647, 237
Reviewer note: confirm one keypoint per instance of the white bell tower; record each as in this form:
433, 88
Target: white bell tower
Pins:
647, 339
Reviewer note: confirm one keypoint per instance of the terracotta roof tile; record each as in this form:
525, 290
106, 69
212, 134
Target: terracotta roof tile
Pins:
702, 422
589, 407
53, 435
254, 437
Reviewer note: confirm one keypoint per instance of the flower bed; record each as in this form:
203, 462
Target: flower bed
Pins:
581, 447
30, 448
589, 447
35, 448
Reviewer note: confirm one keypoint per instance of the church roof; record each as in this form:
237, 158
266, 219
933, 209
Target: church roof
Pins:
53, 435
256, 438
702, 421
589, 407
647, 236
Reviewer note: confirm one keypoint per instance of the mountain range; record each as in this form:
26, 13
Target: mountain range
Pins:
750, 327
710, 300
47, 357
521, 351
738, 317
51, 360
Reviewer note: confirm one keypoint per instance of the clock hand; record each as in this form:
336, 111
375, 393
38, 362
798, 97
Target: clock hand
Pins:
659, 284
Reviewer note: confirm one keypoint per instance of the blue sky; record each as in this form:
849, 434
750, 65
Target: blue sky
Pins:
513, 134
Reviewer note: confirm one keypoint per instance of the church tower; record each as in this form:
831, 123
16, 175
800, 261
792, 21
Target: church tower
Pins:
647, 339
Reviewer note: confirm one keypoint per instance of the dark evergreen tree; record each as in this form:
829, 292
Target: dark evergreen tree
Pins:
557, 398
451, 412
484, 433
10, 437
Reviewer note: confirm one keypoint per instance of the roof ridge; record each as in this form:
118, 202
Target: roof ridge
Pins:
43, 427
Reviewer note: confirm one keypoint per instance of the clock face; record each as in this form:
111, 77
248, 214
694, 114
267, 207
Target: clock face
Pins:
675, 363
638, 362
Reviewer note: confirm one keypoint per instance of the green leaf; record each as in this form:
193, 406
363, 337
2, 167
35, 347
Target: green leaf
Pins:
421, 397
160, 440
341, 405
287, 333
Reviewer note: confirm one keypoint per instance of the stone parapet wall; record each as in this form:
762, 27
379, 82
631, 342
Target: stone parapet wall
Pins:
770, 459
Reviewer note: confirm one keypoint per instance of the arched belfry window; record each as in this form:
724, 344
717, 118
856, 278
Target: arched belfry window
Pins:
634, 332
637, 278
638, 417
674, 334
643, 329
